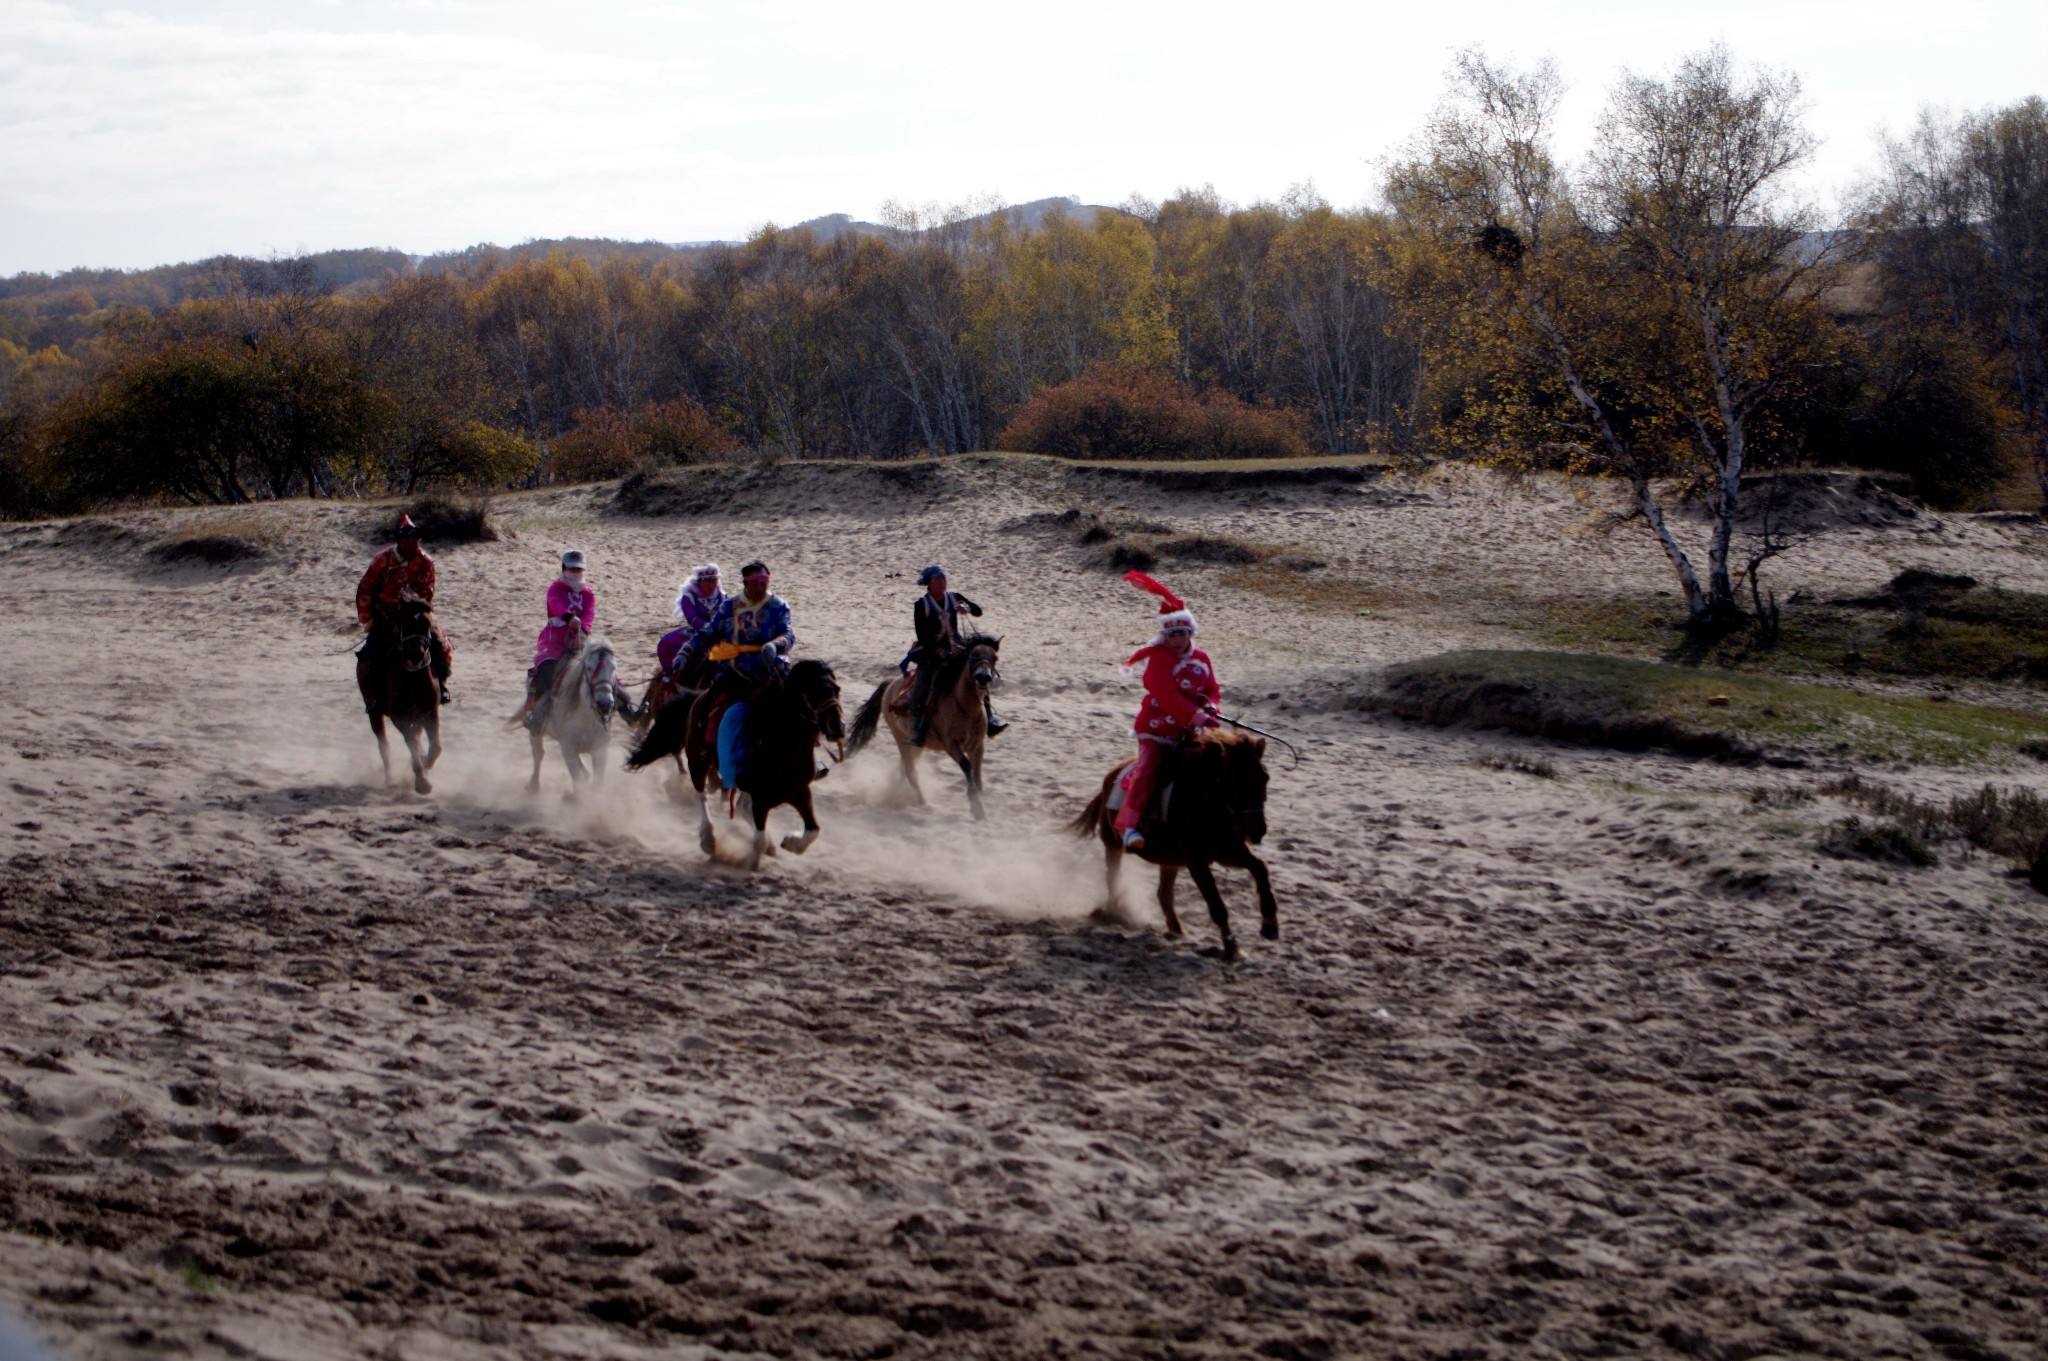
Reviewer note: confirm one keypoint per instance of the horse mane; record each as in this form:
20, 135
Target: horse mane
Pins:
956, 660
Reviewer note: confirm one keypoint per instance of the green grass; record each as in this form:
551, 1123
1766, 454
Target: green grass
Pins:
1633, 704
1978, 634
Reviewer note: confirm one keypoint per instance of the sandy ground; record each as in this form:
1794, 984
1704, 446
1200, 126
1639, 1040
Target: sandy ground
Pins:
1606, 1064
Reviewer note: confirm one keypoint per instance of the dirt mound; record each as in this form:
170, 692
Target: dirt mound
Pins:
1812, 502
818, 485
208, 550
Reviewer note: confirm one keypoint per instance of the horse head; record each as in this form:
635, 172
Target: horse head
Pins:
412, 626
816, 690
601, 673
981, 662
1242, 777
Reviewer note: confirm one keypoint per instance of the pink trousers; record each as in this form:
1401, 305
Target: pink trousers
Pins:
1137, 783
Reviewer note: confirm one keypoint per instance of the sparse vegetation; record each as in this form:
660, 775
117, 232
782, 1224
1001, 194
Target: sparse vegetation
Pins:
1853, 838
445, 519
1634, 705
1539, 766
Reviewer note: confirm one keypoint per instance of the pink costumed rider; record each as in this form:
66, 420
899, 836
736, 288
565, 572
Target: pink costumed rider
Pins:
572, 613
1182, 697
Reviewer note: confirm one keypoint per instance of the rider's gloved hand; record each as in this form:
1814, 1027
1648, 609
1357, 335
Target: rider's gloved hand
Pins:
770, 651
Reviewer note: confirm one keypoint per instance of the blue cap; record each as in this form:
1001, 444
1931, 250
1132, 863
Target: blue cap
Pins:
924, 578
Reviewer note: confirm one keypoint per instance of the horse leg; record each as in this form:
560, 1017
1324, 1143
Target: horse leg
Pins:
801, 802
1167, 874
1112, 867
411, 734
707, 840
1205, 880
909, 755
597, 756
383, 746
760, 847
1269, 906
577, 775
953, 749
539, 752
433, 726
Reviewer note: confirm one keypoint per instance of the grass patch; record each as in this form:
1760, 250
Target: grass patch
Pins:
1539, 766
1634, 705
1854, 839
1922, 626
445, 519
1122, 543
208, 550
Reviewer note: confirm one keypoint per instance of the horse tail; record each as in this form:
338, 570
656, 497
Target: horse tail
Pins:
863, 730
1091, 817
671, 729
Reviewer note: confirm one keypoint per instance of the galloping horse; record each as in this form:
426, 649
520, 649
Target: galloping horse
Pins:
580, 715
1212, 797
400, 687
959, 726
785, 719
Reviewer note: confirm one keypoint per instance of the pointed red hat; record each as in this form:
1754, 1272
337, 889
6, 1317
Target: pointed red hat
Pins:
406, 528
1173, 611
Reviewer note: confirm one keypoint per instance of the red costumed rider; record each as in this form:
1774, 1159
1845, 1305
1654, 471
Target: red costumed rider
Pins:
1182, 697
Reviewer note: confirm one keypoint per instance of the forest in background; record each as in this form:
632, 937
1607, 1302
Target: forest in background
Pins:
1658, 309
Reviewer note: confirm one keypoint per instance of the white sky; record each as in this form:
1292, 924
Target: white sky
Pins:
175, 129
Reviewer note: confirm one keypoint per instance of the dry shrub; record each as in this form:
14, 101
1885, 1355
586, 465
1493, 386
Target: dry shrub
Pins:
447, 519
605, 443
1124, 413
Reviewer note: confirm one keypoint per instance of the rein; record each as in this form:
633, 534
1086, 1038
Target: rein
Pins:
1293, 756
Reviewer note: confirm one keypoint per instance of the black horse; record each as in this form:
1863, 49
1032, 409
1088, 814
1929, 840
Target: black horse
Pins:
393, 673
785, 719
1212, 812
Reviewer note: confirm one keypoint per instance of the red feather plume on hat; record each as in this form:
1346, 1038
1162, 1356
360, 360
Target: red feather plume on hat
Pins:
1168, 601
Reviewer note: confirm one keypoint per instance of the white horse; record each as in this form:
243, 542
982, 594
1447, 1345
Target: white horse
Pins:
580, 714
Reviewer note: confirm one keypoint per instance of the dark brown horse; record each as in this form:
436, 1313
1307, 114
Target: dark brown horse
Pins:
1211, 811
786, 717
397, 684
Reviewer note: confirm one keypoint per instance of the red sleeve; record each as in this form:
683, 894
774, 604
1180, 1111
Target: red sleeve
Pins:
589, 609
424, 585
366, 589
1166, 692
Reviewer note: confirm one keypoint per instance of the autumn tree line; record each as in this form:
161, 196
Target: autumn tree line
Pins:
1659, 309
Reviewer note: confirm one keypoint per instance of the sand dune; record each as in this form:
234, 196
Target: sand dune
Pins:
1610, 1063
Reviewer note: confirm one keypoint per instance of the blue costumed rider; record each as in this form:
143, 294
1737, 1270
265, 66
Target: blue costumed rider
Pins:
747, 642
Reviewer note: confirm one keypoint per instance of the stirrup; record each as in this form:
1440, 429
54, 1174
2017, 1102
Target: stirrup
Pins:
996, 726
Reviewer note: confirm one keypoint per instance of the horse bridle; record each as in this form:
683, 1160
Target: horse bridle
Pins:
814, 716
401, 640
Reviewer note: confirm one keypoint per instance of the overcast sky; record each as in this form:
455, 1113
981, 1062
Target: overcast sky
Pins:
143, 133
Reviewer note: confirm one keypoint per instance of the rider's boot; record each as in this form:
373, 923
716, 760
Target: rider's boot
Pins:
995, 725
920, 727
446, 698
1134, 840
537, 715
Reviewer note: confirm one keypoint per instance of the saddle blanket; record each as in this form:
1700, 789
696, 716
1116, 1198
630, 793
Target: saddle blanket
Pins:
1162, 798
732, 744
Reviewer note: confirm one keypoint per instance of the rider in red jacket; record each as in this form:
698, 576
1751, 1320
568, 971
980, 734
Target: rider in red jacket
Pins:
1182, 697
401, 570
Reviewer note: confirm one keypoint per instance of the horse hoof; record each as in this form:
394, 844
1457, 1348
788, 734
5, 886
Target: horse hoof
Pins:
420, 786
1231, 953
794, 845
569, 797
533, 786
1174, 933
706, 842
1270, 930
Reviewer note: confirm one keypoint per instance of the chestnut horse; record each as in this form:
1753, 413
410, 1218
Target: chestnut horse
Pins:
785, 719
959, 725
1211, 810
397, 684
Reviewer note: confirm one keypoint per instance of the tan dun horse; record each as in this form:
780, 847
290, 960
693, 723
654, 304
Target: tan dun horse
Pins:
959, 725
397, 684
1209, 808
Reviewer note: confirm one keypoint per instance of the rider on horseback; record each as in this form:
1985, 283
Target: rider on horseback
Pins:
1182, 697
937, 616
572, 610
748, 639
696, 601
404, 567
